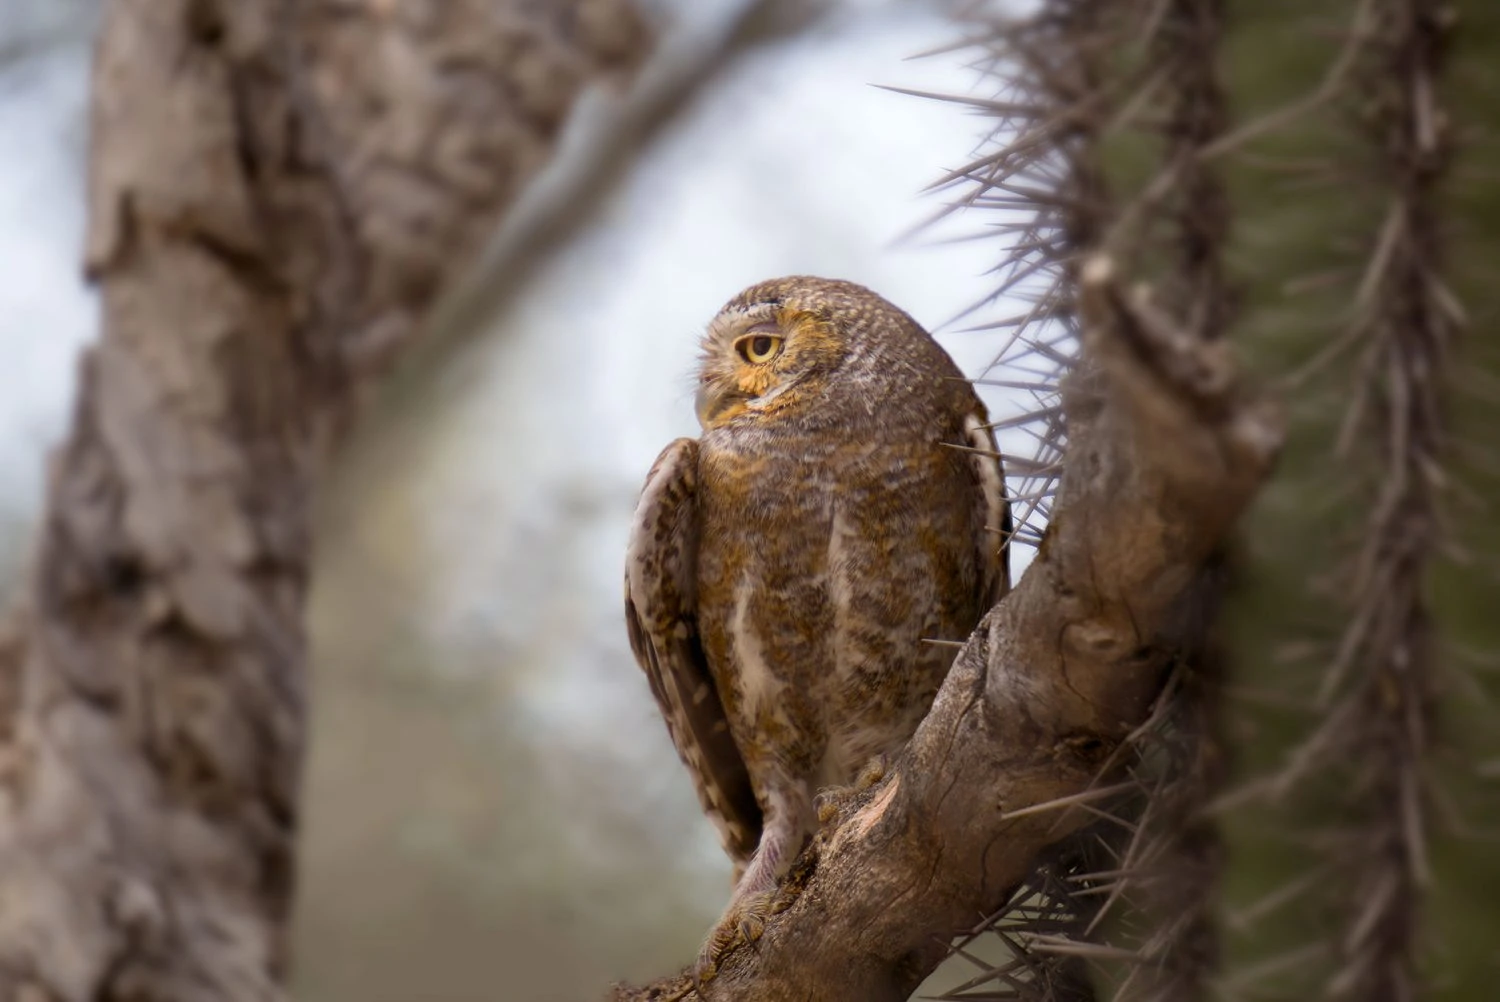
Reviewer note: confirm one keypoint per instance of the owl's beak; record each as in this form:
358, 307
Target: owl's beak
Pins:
714, 400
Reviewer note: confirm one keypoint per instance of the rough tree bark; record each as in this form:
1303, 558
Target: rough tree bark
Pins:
277, 191
1165, 451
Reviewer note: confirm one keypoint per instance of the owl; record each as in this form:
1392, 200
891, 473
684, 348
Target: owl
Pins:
788, 570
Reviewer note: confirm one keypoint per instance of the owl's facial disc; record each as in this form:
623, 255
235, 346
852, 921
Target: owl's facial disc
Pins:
751, 356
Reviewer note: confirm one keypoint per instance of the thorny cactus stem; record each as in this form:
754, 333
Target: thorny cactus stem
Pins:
1079, 70
1177, 856
1039, 185
1186, 45
1381, 686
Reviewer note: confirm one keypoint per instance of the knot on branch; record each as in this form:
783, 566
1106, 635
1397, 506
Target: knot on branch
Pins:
1087, 749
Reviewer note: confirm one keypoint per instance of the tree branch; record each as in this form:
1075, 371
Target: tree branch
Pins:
1165, 452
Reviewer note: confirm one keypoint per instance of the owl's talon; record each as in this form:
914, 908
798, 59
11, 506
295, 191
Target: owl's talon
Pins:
827, 807
752, 927
706, 967
873, 772
704, 970
744, 923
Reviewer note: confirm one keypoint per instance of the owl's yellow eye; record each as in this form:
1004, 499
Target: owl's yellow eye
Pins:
758, 348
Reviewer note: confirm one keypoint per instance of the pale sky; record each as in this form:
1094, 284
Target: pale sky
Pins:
46, 312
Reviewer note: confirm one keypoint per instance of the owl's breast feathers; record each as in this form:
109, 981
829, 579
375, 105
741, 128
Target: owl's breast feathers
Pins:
822, 567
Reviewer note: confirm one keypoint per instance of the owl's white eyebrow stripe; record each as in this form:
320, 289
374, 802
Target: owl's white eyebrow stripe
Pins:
759, 327
755, 312
731, 324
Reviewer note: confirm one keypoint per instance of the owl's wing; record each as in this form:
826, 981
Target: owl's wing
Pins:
994, 541
661, 615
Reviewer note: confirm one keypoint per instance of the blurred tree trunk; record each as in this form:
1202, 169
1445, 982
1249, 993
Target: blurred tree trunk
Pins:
277, 193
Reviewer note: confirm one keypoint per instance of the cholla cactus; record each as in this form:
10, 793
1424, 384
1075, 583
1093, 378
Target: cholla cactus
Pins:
1112, 132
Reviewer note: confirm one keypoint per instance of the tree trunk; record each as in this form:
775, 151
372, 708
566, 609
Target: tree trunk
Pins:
277, 192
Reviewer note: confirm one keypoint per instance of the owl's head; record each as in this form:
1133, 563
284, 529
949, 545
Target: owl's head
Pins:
772, 348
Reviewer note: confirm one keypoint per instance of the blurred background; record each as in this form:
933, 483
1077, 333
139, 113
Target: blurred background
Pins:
490, 788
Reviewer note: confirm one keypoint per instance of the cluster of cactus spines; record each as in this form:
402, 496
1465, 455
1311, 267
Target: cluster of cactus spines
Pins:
1041, 175
1153, 880
1379, 689
1039, 186
1185, 48
1181, 855
1129, 904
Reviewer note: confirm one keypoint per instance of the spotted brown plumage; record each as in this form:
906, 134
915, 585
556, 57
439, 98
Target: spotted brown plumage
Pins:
843, 505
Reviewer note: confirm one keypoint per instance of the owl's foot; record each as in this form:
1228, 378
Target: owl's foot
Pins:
743, 923
874, 771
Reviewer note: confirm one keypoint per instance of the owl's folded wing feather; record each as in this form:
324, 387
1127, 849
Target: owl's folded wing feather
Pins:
661, 615
994, 540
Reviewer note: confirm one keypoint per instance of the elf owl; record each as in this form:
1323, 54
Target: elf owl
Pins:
844, 506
